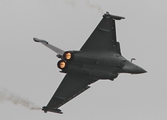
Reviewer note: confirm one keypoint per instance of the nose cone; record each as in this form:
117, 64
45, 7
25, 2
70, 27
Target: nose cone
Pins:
140, 70
132, 68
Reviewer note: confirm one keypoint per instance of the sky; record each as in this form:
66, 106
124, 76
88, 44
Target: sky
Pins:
29, 74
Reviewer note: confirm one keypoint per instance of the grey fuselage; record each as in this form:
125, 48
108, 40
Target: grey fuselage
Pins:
105, 65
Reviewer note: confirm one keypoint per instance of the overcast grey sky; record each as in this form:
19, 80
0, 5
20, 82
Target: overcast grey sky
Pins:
29, 69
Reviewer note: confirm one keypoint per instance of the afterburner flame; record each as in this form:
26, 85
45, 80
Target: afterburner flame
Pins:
68, 56
62, 64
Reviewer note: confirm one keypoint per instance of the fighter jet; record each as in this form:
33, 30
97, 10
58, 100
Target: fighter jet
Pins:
99, 58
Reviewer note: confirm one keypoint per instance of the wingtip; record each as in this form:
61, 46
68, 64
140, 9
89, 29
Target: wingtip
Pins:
108, 15
39, 40
36, 39
46, 109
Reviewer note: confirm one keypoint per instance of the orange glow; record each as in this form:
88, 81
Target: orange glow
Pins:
62, 64
68, 56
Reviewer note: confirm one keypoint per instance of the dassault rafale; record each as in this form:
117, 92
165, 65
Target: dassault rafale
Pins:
99, 58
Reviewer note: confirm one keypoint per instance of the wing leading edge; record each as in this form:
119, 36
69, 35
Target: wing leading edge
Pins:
71, 86
103, 38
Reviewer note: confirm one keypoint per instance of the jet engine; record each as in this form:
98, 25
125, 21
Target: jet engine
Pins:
65, 60
62, 64
68, 56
